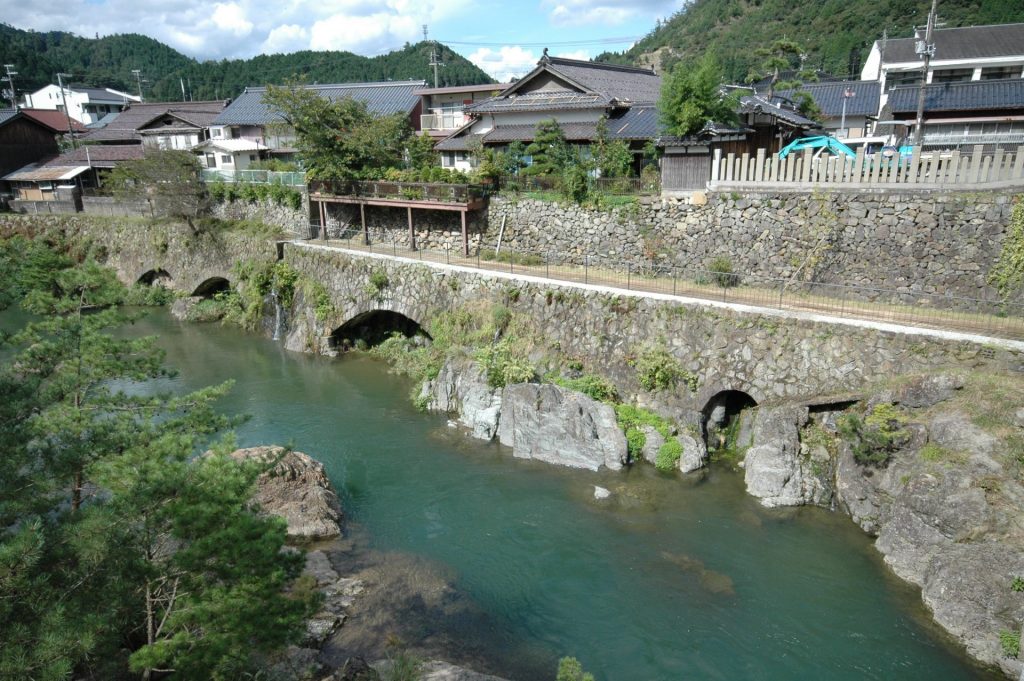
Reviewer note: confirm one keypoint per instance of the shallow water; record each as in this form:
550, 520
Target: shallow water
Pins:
673, 578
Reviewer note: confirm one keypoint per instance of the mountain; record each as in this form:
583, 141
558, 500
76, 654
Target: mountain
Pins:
836, 34
109, 61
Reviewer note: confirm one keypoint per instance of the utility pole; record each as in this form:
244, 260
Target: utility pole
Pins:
10, 79
67, 114
926, 49
138, 79
435, 61
182, 82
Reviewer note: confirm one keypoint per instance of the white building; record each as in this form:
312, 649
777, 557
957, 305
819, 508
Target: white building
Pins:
972, 53
230, 154
85, 104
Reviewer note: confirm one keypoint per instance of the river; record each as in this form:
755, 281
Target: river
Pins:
671, 579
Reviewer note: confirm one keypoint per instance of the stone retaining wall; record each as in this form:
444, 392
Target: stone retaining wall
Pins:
940, 244
769, 357
266, 211
435, 229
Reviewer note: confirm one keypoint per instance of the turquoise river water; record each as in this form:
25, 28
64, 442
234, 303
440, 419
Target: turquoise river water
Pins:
673, 579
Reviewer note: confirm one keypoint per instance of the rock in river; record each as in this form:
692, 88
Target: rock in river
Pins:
296, 489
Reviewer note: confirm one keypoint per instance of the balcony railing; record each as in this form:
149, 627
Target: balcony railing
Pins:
291, 179
404, 191
443, 120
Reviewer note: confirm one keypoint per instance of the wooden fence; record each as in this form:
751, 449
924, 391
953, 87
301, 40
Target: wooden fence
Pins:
929, 170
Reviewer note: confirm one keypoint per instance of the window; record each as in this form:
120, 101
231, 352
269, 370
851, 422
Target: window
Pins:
252, 157
899, 78
217, 132
952, 75
226, 160
448, 159
1001, 72
211, 160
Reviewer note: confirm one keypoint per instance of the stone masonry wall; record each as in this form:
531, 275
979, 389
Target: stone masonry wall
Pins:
266, 211
435, 229
940, 244
769, 357
134, 247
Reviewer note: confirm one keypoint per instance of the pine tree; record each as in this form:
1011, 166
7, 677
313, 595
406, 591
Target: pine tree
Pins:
549, 149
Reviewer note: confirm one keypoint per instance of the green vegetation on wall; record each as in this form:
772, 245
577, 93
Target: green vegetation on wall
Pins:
1007, 275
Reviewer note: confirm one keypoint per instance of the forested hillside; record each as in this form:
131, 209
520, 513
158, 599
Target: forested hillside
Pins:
108, 62
836, 34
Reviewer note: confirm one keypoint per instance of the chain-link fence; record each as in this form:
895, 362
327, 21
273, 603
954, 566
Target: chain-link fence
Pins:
906, 306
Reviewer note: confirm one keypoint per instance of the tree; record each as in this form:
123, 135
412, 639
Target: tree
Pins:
114, 543
780, 56
691, 97
340, 140
549, 149
419, 150
168, 180
612, 158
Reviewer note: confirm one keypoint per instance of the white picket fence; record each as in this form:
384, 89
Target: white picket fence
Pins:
930, 170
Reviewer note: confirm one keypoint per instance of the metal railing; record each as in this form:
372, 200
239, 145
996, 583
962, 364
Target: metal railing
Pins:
443, 120
616, 186
904, 306
407, 191
291, 179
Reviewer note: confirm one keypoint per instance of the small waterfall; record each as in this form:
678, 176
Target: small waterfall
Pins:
278, 314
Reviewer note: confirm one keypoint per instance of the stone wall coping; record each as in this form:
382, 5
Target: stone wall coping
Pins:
953, 336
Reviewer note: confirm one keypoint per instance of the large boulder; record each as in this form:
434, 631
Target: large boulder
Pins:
461, 390
926, 391
695, 452
775, 469
296, 489
549, 423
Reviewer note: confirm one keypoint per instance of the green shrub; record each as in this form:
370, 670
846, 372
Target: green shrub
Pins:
501, 316
631, 419
594, 387
377, 282
504, 364
658, 370
570, 669
668, 455
722, 272
1017, 585
636, 440
874, 438
509, 256
1010, 642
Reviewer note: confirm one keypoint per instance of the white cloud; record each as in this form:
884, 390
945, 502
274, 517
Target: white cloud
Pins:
506, 62
285, 39
603, 12
230, 18
243, 28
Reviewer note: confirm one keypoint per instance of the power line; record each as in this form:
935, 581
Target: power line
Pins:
564, 43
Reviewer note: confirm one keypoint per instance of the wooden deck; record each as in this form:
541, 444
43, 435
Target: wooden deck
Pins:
411, 196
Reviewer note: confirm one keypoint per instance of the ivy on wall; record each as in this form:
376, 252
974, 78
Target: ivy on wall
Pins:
1007, 275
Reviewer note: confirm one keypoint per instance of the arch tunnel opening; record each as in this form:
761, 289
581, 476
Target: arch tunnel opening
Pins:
373, 328
211, 287
157, 277
728, 423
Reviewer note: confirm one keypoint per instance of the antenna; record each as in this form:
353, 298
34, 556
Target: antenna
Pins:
10, 79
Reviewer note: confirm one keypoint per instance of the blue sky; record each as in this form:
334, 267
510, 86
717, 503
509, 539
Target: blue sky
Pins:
503, 38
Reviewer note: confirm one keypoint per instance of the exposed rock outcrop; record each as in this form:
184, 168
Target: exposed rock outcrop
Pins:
695, 452
776, 471
436, 670
461, 390
296, 489
552, 424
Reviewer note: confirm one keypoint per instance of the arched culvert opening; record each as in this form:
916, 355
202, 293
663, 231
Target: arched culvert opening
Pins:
157, 277
728, 423
212, 287
373, 328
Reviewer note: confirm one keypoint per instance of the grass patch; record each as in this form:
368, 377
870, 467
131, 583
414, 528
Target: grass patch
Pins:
1009, 641
656, 370
632, 419
594, 387
511, 256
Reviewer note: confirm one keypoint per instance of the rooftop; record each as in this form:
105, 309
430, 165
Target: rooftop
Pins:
99, 155
457, 89
829, 96
969, 42
126, 125
978, 95
381, 98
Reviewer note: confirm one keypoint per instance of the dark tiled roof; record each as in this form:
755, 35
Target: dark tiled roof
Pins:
542, 101
970, 96
99, 155
638, 122
973, 42
6, 115
829, 97
456, 143
380, 98
618, 82
125, 127
573, 132
758, 104
53, 119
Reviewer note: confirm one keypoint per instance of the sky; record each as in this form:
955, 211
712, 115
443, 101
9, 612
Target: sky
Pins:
505, 39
